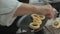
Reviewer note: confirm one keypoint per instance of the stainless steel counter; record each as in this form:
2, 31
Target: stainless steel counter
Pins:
51, 30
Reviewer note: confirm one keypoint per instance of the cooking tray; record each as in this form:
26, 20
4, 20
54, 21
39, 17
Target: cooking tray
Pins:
24, 22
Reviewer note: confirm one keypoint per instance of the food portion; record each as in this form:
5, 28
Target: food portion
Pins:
56, 24
34, 26
42, 17
37, 21
35, 16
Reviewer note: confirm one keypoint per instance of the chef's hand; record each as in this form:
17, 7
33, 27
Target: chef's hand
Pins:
46, 10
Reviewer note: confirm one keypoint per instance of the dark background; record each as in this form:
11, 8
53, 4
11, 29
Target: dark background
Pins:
24, 1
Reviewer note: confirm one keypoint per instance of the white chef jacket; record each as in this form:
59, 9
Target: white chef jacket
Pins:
7, 10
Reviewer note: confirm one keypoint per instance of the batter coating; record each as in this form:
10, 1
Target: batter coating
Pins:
34, 26
36, 20
42, 17
56, 24
35, 16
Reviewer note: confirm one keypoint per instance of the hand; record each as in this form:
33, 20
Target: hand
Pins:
46, 10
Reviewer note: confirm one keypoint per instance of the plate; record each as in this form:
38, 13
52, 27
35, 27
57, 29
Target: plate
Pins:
24, 22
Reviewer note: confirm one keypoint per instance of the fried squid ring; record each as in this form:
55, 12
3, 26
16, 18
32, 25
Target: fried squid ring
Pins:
34, 26
35, 16
42, 17
56, 24
37, 20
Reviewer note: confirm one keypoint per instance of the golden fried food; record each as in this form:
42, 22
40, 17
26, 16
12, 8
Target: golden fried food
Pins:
37, 21
35, 16
56, 24
34, 26
42, 17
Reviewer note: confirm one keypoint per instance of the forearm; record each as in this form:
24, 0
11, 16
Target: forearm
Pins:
28, 9
24, 9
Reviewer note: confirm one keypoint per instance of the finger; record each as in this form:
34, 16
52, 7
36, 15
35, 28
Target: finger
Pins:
50, 15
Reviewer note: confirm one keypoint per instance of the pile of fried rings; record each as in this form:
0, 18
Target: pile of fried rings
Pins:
37, 21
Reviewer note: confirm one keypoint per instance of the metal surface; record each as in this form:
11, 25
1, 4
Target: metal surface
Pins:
51, 30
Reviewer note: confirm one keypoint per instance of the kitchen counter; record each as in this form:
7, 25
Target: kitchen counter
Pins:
49, 22
51, 30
